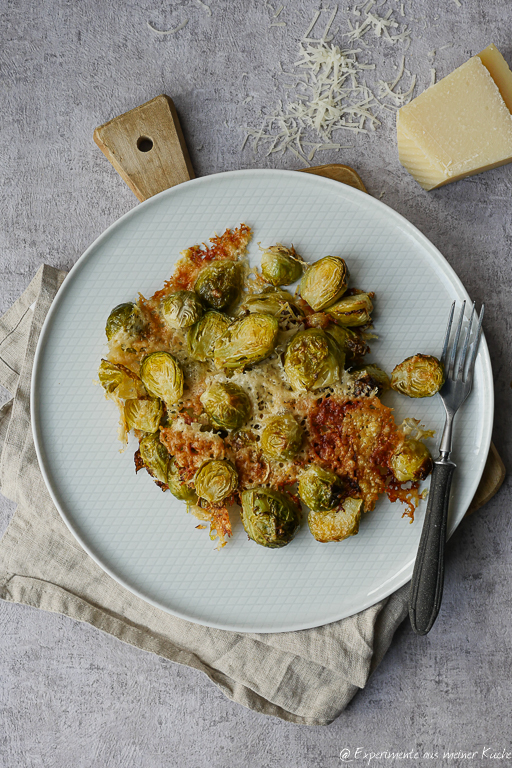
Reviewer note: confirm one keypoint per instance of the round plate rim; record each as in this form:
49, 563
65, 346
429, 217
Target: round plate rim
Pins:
487, 418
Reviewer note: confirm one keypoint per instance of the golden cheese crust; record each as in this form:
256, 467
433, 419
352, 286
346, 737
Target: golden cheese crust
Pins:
354, 437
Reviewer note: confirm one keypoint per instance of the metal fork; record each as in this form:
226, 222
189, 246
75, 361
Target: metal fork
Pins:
428, 575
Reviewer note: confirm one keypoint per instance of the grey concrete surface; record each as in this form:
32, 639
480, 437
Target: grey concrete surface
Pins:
72, 696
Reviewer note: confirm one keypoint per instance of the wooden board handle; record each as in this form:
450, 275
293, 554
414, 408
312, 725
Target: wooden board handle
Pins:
146, 147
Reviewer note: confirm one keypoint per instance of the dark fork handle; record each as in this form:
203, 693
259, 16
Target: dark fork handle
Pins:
428, 575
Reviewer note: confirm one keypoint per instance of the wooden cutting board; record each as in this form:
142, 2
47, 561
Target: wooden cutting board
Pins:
147, 148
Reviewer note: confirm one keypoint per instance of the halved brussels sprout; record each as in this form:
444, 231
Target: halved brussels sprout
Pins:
336, 524
368, 379
418, 376
282, 437
349, 341
312, 360
155, 456
247, 341
177, 487
324, 282
412, 461
216, 480
144, 413
281, 265
352, 310
162, 376
126, 317
219, 284
270, 518
202, 336
271, 302
227, 405
181, 309
321, 489
119, 380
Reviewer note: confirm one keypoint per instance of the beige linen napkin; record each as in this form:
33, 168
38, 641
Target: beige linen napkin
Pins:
305, 677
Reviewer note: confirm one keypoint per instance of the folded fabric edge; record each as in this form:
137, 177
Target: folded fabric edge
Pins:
43, 595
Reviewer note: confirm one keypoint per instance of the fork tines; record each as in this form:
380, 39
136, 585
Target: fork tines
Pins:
449, 360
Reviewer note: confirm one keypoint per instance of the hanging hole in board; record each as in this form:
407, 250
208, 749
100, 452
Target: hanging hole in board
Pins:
144, 144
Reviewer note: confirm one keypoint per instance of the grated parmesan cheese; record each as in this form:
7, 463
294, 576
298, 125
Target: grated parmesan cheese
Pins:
326, 89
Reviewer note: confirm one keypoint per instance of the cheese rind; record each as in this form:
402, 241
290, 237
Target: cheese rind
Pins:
460, 126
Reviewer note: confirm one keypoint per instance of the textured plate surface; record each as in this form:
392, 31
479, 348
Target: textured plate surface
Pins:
143, 537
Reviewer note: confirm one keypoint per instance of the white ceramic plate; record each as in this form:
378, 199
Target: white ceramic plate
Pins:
141, 536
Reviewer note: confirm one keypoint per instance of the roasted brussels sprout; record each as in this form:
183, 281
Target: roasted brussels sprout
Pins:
368, 379
219, 284
271, 302
270, 518
119, 380
418, 376
349, 341
155, 456
162, 376
312, 360
412, 461
281, 437
216, 480
181, 309
336, 524
202, 336
227, 405
324, 282
144, 413
126, 317
177, 487
352, 310
281, 265
321, 489
247, 341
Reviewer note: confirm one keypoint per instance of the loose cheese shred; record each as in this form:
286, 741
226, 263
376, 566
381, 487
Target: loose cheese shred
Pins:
168, 31
205, 7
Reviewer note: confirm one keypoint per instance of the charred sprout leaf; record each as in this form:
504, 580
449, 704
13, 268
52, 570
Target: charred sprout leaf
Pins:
352, 310
227, 405
202, 336
144, 413
162, 376
412, 461
181, 309
248, 340
312, 361
177, 487
281, 265
219, 284
320, 489
270, 518
336, 524
216, 480
369, 379
155, 456
125, 317
324, 282
282, 437
119, 380
418, 376
349, 341
280, 304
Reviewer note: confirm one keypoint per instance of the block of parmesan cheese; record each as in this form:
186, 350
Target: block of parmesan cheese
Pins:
460, 126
